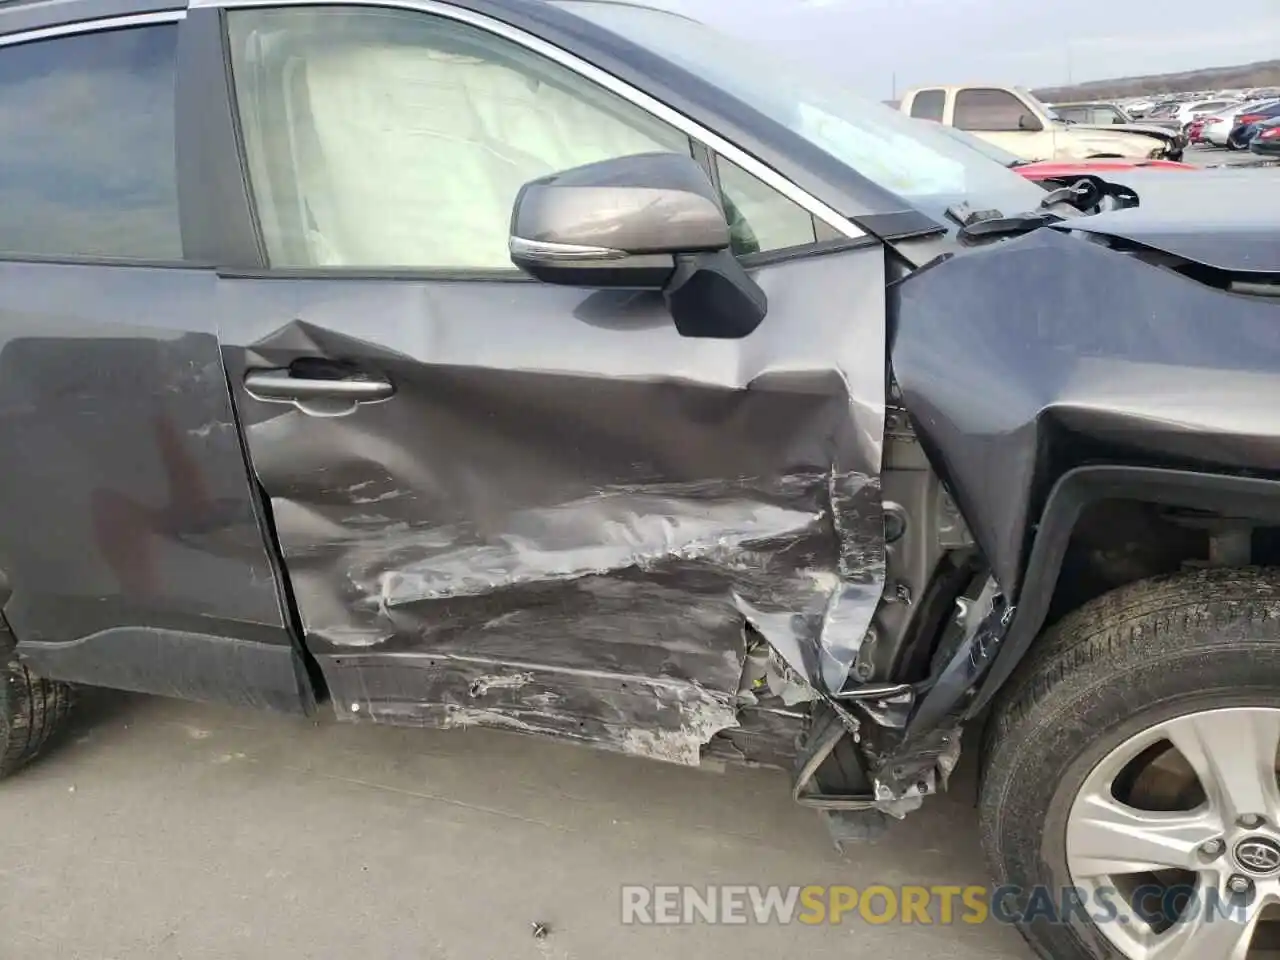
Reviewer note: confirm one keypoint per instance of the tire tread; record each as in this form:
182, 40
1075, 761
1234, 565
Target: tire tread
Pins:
1192, 621
32, 710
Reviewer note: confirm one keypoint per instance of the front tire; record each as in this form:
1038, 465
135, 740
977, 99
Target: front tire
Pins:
31, 710
1155, 708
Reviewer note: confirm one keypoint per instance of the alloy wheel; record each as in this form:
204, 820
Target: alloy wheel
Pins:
1178, 830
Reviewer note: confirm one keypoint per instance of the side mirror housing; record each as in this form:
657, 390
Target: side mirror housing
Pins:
1030, 123
616, 223
650, 221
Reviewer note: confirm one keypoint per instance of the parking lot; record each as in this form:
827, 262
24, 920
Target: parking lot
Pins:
163, 829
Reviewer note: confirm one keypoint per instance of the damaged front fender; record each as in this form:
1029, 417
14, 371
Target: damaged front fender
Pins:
1025, 360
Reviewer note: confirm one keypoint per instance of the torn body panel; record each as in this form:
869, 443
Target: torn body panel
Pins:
1020, 362
565, 518
1025, 359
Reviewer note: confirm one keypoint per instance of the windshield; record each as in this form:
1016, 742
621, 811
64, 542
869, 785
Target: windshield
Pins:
914, 159
973, 142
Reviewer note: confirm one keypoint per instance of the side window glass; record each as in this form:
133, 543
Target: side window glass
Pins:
86, 146
929, 105
388, 138
760, 218
990, 110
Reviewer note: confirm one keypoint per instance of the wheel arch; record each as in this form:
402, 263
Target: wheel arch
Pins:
1246, 497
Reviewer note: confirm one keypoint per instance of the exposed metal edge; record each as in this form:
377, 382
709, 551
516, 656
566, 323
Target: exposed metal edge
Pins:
590, 72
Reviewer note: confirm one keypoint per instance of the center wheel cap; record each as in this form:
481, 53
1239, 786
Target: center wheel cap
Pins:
1259, 856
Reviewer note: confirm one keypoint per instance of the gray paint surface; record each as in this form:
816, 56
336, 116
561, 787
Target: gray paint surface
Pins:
566, 515
1068, 352
127, 496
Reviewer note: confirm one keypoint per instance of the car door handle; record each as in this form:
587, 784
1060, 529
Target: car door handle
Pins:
335, 393
282, 385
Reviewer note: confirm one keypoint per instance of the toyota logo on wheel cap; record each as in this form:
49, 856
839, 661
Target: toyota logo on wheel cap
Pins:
1258, 855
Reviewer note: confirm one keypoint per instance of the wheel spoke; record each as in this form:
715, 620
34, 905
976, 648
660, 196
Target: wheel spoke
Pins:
1208, 931
1233, 752
1107, 838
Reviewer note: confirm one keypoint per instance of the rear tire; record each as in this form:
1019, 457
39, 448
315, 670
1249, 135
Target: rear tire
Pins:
1123, 664
31, 710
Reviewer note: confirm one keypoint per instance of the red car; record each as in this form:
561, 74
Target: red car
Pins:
1066, 169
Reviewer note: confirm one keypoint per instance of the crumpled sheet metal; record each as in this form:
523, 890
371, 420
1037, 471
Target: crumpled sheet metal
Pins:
615, 619
1019, 360
582, 510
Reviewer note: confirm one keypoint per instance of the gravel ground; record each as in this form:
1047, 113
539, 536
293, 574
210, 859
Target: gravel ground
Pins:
172, 830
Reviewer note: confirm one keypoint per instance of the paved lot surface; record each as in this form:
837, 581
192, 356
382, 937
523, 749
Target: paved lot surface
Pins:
1204, 156
162, 829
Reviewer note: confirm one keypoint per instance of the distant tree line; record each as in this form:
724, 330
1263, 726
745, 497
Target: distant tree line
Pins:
1264, 73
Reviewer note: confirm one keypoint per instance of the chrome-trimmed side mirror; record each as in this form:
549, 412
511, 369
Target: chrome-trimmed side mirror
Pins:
616, 223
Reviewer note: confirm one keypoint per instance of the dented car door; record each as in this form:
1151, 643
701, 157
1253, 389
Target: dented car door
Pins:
517, 505
564, 514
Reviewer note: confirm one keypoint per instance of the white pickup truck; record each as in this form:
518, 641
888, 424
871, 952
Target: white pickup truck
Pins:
1012, 118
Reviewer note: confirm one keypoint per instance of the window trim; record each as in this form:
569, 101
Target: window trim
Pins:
80, 28
700, 136
175, 15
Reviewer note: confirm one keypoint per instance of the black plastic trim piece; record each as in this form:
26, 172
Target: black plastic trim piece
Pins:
176, 663
766, 258
1251, 497
903, 225
215, 211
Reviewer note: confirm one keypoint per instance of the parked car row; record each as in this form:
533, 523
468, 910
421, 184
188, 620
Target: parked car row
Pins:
1266, 142
1013, 119
1222, 121
1185, 105
1236, 127
1101, 113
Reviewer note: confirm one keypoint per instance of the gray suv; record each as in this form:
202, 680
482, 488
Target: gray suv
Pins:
568, 368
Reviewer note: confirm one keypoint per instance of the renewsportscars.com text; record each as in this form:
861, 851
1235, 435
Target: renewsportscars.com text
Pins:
817, 904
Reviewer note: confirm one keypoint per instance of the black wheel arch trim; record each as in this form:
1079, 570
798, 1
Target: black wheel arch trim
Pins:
1254, 497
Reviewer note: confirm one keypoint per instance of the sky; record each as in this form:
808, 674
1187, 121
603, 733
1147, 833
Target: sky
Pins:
1029, 42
